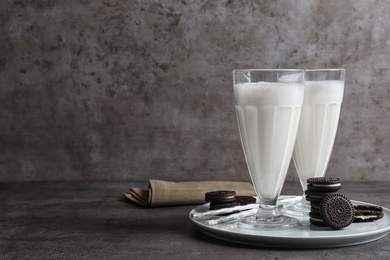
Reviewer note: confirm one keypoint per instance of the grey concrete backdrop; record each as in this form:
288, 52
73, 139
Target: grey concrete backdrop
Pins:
132, 90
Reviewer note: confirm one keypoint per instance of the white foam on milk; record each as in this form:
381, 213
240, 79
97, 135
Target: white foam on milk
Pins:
276, 94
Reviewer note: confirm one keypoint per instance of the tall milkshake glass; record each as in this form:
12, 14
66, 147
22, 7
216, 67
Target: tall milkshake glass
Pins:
324, 91
268, 107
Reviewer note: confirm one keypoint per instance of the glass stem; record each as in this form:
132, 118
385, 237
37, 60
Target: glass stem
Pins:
268, 211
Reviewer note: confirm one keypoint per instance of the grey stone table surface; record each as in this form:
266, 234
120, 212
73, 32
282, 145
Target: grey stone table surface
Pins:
92, 220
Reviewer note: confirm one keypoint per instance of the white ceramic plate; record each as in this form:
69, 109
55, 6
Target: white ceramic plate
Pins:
302, 236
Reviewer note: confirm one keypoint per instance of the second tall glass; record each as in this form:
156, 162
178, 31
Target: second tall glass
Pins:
324, 91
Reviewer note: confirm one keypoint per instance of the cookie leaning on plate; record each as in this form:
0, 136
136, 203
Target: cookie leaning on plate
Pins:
337, 211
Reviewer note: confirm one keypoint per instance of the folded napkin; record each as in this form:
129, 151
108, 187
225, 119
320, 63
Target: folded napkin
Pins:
167, 193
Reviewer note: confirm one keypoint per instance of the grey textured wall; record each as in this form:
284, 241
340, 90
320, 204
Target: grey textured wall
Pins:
132, 90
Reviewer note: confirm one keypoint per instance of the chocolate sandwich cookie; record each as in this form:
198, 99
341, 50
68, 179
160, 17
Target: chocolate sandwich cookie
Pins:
324, 184
245, 200
367, 213
315, 205
220, 196
221, 199
317, 220
315, 210
222, 205
337, 211
315, 196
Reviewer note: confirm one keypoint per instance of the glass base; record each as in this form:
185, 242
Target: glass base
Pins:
272, 223
300, 209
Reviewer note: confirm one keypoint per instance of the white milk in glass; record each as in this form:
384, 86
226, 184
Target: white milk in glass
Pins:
318, 126
268, 117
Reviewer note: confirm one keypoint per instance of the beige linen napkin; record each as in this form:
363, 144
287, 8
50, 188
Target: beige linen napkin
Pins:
167, 193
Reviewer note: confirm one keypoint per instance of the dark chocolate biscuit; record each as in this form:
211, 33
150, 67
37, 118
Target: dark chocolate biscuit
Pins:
315, 205
315, 196
245, 200
368, 207
320, 223
317, 220
337, 211
222, 205
315, 210
367, 213
323, 188
220, 196
329, 184
221, 199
